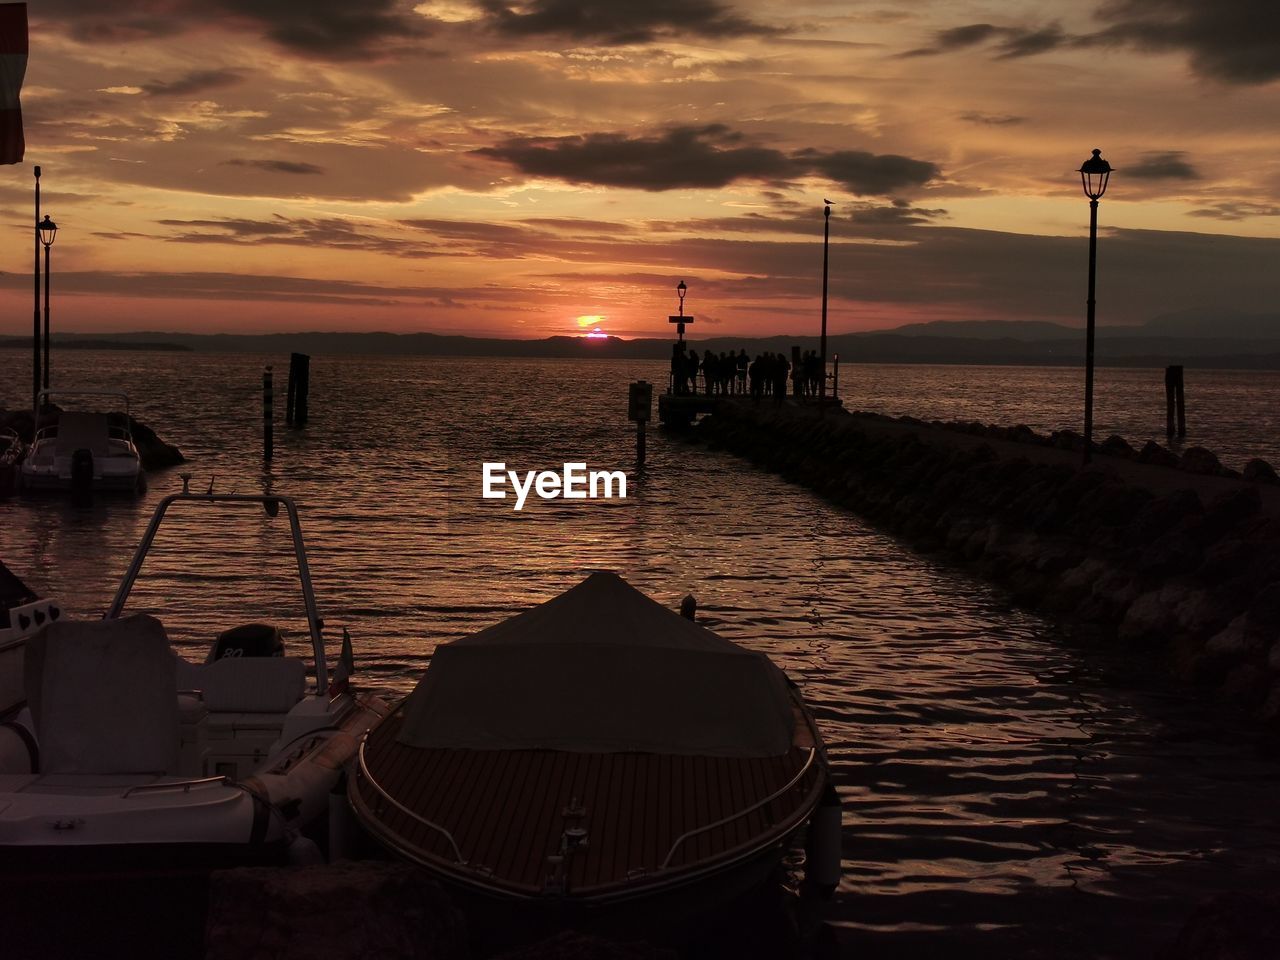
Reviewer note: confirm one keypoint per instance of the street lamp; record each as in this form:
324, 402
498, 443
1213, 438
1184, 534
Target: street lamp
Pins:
681, 289
48, 231
826, 239
1094, 174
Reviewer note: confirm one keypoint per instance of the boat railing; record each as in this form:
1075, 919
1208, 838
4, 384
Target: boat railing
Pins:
368, 776
183, 785
741, 813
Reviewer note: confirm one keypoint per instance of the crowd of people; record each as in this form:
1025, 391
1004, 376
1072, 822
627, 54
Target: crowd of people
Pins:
729, 373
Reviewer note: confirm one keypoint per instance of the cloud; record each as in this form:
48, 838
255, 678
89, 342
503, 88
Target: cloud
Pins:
277, 166
992, 119
1236, 210
1167, 165
1235, 42
618, 22
865, 173
1009, 42
956, 38
331, 233
1019, 42
196, 82
700, 157
322, 29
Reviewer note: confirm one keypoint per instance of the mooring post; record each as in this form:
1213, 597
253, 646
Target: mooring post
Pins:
1174, 400
304, 387
267, 402
291, 391
1182, 404
835, 377
639, 406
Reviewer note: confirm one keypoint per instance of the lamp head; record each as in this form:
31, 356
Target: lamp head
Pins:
48, 231
1094, 174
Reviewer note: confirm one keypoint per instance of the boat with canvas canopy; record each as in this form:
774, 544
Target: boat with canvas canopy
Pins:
594, 750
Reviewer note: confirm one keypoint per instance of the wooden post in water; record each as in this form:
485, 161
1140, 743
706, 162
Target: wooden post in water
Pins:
295, 405
268, 400
1174, 400
291, 391
639, 407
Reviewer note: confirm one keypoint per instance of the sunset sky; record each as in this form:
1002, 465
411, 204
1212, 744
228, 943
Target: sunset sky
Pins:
527, 168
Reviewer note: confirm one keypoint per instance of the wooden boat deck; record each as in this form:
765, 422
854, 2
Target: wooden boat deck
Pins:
507, 810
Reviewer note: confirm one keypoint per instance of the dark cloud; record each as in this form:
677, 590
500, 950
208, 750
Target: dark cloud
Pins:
992, 119
324, 29
957, 38
1018, 42
709, 156
277, 166
865, 173
327, 232
701, 157
1236, 210
1009, 42
197, 82
619, 21
1235, 42
1167, 165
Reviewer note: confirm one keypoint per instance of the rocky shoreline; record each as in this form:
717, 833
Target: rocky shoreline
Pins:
1177, 556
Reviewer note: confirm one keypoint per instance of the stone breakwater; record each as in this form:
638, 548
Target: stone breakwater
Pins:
1177, 555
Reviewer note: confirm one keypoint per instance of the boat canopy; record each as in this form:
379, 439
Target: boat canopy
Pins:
601, 669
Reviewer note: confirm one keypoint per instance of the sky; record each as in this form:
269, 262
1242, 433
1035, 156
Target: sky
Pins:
523, 168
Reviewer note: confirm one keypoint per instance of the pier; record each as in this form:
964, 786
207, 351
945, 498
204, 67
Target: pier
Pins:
1175, 555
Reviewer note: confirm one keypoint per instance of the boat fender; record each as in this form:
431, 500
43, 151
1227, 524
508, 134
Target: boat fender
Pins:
19, 752
822, 848
82, 471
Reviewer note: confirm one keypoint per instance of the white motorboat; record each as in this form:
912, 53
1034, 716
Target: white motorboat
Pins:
133, 758
82, 450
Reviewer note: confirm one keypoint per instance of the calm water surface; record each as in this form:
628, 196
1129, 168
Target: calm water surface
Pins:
1005, 794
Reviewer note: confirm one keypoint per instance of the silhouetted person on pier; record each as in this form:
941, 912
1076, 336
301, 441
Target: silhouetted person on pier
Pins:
757, 379
691, 371
780, 379
678, 375
708, 370
742, 363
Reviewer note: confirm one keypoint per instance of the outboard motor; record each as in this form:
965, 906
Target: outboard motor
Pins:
248, 640
82, 472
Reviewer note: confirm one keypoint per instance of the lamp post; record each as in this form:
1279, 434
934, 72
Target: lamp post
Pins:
1094, 174
35, 325
48, 231
826, 241
680, 320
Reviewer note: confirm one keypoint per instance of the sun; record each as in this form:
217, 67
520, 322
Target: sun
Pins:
592, 322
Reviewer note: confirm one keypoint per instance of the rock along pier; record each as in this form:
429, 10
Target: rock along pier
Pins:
1177, 555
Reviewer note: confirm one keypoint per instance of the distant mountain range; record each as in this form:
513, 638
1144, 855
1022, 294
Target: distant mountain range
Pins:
1197, 338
